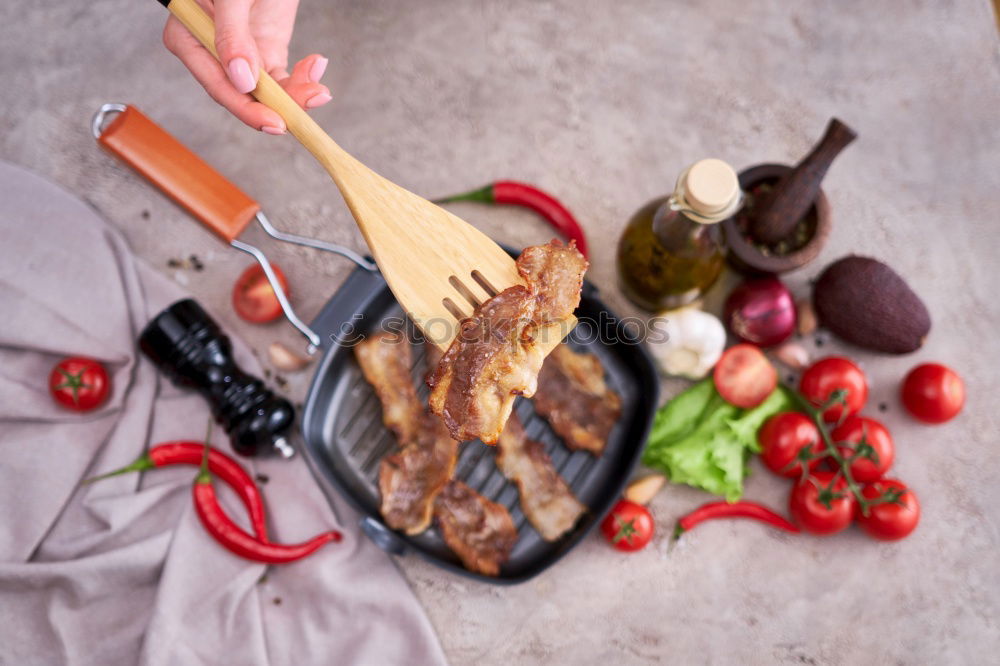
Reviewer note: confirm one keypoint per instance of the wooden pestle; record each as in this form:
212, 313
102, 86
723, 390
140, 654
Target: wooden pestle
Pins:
776, 214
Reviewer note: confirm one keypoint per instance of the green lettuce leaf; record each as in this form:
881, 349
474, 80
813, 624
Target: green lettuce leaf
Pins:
701, 440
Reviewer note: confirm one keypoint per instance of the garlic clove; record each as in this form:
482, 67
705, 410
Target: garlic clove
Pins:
285, 359
806, 314
793, 354
642, 491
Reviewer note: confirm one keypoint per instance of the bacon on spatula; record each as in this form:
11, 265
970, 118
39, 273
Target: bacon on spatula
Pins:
499, 350
574, 398
546, 499
479, 531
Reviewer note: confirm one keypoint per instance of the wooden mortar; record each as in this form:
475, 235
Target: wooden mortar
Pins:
751, 257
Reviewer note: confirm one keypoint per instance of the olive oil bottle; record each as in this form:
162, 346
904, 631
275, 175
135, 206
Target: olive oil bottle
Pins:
672, 249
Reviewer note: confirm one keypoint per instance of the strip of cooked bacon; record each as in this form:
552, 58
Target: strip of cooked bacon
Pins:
480, 532
573, 397
500, 349
411, 478
546, 499
385, 360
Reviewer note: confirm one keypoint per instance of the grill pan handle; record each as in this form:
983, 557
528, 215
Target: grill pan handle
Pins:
223, 208
383, 537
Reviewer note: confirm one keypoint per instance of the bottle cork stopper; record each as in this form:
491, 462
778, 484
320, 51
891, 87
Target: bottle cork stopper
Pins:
710, 186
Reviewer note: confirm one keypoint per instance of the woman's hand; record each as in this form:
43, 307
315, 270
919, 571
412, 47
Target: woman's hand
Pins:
250, 35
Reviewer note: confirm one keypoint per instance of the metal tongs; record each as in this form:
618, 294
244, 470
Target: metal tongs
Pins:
222, 207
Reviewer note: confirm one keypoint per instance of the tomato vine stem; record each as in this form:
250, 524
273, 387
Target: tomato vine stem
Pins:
843, 464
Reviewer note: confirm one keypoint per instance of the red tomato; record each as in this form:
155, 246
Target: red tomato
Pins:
933, 393
628, 527
819, 508
875, 434
80, 384
744, 377
827, 375
253, 298
783, 437
889, 520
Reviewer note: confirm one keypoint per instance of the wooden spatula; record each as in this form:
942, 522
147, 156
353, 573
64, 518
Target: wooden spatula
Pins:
437, 265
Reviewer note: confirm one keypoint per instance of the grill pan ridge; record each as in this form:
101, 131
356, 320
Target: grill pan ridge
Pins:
345, 438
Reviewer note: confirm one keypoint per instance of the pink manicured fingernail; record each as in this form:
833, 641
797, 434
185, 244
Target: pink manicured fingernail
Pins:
317, 69
272, 130
241, 75
317, 100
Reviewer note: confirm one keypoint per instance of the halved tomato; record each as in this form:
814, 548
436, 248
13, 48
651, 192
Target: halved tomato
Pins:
253, 298
744, 377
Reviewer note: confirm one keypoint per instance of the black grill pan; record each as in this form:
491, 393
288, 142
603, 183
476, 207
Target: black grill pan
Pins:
345, 438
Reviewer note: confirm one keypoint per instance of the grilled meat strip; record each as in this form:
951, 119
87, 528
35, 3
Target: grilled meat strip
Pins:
411, 478
480, 532
573, 397
385, 361
500, 349
546, 499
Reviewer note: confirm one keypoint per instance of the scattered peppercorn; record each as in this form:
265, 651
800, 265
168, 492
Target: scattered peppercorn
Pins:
262, 478
882, 407
174, 263
281, 381
145, 214
277, 601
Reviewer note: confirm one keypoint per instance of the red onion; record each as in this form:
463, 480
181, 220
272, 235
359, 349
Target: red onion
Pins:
761, 312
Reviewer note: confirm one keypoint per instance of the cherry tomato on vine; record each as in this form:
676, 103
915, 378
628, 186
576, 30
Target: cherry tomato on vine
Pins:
744, 377
783, 437
890, 520
253, 297
865, 469
80, 384
933, 393
820, 508
827, 375
628, 527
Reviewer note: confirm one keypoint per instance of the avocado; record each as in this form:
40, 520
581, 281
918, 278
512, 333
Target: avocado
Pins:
864, 302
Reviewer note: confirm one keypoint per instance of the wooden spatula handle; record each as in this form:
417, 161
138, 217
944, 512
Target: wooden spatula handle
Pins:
776, 215
183, 176
333, 158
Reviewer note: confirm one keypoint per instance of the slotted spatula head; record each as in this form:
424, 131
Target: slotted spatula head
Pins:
438, 266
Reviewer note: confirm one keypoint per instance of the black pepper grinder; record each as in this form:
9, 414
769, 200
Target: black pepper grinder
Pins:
188, 346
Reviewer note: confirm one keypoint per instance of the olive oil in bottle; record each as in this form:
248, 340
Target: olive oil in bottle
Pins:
672, 249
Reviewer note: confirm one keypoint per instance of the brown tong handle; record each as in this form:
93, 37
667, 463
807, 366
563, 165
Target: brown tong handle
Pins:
777, 213
183, 176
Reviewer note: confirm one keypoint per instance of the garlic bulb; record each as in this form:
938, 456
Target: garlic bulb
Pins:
694, 342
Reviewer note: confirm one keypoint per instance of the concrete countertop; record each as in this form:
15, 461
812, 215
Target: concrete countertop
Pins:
603, 103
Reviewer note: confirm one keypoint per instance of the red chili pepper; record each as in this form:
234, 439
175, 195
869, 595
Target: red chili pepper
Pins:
235, 539
522, 194
714, 510
221, 465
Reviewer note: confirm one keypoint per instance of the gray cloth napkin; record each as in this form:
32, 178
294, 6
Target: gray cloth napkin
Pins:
121, 572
